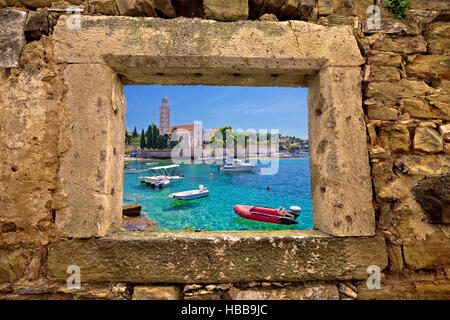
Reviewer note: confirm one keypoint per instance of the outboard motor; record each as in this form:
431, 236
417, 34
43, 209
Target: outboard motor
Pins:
295, 210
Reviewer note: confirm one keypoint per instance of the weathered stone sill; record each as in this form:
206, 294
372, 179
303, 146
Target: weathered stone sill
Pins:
217, 257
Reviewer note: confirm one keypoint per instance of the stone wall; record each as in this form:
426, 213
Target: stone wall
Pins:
406, 96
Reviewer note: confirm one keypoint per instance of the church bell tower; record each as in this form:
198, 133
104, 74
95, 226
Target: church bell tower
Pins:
164, 116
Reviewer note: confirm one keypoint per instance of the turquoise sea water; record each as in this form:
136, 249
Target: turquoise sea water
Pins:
290, 186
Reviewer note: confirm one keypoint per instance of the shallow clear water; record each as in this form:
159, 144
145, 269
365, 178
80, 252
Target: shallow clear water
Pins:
290, 186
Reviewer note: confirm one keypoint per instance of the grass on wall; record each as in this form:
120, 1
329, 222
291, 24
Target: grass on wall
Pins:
398, 7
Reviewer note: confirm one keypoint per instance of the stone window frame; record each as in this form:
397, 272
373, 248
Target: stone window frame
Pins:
110, 52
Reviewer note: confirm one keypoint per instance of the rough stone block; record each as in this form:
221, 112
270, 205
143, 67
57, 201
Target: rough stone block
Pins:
435, 5
12, 265
403, 45
423, 109
164, 8
395, 257
172, 51
12, 37
96, 292
37, 24
188, 8
395, 137
306, 292
430, 66
438, 37
423, 165
417, 290
382, 73
103, 6
157, 293
136, 8
217, 257
340, 174
433, 253
428, 140
90, 170
226, 10
133, 210
325, 7
384, 59
444, 130
382, 113
433, 195
396, 90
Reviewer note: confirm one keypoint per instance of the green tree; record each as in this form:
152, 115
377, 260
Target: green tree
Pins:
155, 135
173, 139
127, 138
149, 137
135, 133
162, 142
143, 144
220, 136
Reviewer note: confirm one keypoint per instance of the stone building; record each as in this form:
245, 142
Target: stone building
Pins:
379, 147
193, 133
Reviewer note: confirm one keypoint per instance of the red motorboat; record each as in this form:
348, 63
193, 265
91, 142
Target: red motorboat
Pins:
263, 214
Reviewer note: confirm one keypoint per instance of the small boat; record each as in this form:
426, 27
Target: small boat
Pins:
170, 173
191, 194
160, 183
235, 165
150, 179
175, 178
132, 170
204, 160
151, 164
268, 215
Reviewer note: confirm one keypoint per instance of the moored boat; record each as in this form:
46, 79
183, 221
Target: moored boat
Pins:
151, 164
170, 173
235, 165
268, 215
191, 194
160, 183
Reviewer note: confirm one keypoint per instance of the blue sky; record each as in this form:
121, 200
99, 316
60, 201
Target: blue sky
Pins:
239, 107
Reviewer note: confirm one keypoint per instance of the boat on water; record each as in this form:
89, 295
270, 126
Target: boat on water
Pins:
201, 192
236, 165
133, 170
204, 160
142, 169
151, 164
268, 215
170, 173
160, 183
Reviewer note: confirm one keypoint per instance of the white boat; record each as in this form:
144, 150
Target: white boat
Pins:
151, 164
160, 183
191, 194
135, 170
204, 160
235, 165
218, 161
162, 173
151, 179
175, 178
